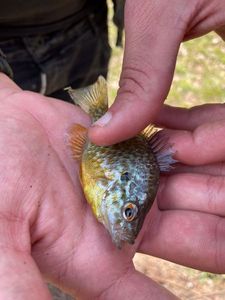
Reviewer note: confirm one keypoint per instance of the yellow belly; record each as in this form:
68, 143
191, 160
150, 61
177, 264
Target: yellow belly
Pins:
94, 193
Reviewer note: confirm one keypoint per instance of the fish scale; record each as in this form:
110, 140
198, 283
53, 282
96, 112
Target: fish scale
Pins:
120, 182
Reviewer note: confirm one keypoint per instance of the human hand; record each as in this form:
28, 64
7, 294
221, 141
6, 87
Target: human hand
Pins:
187, 223
46, 225
154, 31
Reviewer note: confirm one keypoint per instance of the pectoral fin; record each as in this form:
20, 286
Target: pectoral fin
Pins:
77, 140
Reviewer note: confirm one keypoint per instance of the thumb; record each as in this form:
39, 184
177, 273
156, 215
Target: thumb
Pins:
7, 86
154, 31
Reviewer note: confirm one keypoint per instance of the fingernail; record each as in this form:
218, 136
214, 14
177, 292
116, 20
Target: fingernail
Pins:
104, 120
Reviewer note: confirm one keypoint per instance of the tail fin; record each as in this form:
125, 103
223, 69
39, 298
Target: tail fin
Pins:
93, 99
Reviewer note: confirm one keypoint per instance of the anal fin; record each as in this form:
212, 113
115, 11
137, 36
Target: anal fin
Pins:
77, 140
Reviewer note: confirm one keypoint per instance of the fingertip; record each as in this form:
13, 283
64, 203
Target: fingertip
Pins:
5, 81
104, 120
123, 124
7, 86
105, 136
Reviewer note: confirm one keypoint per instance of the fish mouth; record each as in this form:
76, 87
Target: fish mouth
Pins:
119, 237
119, 233
119, 241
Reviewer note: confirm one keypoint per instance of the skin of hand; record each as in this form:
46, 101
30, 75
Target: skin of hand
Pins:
154, 31
47, 228
190, 202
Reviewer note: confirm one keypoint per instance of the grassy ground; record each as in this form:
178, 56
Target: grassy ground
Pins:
200, 72
199, 78
199, 75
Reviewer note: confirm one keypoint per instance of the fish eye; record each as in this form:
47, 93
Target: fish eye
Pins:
125, 177
130, 211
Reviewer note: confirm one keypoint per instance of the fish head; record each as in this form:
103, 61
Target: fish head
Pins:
124, 207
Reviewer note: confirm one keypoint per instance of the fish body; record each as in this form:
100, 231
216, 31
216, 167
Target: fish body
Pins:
120, 182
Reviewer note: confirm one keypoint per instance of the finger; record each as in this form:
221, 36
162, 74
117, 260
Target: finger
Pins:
189, 118
189, 238
135, 285
197, 192
216, 169
205, 145
153, 36
7, 86
221, 32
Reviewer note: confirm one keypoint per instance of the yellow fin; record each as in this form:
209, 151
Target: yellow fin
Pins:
149, 131
77, 140
93, 99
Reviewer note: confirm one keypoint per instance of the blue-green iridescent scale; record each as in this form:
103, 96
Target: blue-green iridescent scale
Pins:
132, 157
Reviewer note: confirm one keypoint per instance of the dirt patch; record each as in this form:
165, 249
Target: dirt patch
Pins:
185, 283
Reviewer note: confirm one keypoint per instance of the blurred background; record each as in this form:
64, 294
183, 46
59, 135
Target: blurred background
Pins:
199, 78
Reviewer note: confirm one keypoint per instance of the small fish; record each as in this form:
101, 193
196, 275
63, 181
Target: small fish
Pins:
120, 182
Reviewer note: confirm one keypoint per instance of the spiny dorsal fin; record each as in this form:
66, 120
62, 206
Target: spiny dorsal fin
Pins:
93, 99
160, 147
149, 131
77, 140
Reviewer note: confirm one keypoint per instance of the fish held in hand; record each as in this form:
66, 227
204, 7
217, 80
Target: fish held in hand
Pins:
120, 182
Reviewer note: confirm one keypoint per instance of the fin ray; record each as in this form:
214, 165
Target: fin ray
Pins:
77, 140
93, 99
161, 148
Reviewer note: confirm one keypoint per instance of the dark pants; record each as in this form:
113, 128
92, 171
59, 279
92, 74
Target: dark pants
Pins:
73, 56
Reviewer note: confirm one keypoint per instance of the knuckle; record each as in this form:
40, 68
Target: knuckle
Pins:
134, 78
139, 82
215, 188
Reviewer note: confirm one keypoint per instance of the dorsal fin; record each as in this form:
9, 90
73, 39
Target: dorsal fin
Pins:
149, 131
160, 146
93, 99
77, 140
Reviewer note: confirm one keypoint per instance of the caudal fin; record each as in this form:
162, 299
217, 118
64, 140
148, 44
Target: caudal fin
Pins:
93, 99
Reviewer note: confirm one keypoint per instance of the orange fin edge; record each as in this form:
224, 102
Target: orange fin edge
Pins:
77, 140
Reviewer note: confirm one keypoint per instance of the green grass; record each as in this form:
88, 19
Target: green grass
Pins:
200, 72
199, 75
